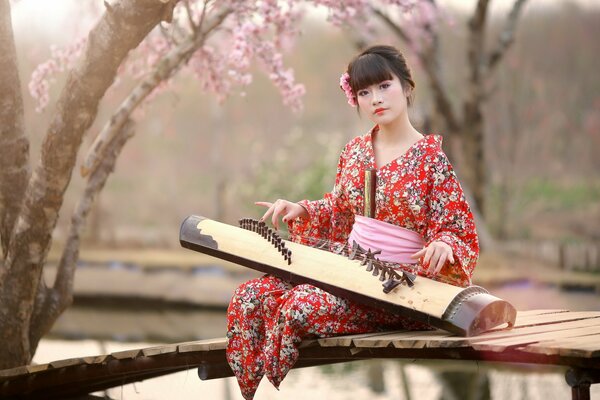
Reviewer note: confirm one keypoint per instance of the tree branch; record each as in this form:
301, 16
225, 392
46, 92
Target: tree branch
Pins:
202, 16
169, 64
430, 63
398, 31
44, 301
188, 12
14, 145
475, 50
506, 37
58, 298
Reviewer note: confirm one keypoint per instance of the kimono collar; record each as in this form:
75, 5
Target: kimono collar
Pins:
432, 140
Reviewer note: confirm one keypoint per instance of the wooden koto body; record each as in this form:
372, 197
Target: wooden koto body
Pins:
464, 311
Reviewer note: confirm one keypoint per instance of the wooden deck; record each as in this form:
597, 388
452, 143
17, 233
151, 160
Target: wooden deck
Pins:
553, 337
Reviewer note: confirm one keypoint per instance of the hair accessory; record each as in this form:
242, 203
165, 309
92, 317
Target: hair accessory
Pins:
345, 85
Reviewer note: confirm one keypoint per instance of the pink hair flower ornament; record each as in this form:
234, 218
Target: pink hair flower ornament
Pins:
345, 85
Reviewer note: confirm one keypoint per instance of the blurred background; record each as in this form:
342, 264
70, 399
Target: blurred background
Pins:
194, 155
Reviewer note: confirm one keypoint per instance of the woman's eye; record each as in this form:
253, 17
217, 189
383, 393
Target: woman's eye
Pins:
362, 93
385, 85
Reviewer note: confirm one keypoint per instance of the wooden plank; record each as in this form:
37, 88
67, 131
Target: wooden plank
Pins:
308, 343
525, 318
502, 344
540, 311
448, 341
66, 363
203, 345
553, 318
392, 337
33, 368
122, 355
99, 359
346, 340
420, 341
582, 346
11, 372
153, 351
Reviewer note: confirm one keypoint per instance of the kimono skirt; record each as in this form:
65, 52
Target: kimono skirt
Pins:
267, 318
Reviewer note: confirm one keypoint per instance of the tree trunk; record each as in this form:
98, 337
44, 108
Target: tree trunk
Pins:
14, 146
475, 166
123, 26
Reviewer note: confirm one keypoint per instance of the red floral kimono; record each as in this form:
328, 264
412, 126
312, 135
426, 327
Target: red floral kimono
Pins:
268, 317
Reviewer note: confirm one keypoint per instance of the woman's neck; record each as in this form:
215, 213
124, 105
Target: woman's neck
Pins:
398, 131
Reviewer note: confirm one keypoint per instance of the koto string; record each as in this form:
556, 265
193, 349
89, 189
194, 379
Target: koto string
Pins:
391, 274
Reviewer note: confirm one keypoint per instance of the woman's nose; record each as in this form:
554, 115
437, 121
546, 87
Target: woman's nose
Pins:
376, 99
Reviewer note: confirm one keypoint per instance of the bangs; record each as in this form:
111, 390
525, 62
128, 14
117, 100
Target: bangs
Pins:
368, 70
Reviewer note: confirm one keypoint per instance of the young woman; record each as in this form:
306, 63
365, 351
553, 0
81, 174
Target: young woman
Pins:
422, 222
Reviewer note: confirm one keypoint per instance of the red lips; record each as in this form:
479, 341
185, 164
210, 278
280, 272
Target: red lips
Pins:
377, 111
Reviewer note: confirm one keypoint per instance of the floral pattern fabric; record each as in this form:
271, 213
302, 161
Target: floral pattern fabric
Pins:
267, 317
417, 191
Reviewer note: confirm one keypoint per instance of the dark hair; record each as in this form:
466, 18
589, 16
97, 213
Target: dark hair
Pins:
376, 64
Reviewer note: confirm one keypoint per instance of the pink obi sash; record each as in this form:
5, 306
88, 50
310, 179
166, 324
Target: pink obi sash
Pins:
397, 244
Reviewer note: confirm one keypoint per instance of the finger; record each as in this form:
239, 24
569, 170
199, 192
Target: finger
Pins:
269, 212
263, 203
433, 261
428, 255
275, 218
451, 257
279, 209
440, 264
418, 254
289, 215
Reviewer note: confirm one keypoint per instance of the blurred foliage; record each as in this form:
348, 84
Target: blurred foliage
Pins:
562, 196
302, 167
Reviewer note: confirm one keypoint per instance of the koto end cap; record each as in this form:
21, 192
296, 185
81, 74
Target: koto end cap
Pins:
478, 312
189, 232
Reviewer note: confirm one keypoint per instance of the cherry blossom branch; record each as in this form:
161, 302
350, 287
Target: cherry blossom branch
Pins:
174, 60
428, 58
393, 26
188, 12
61, 59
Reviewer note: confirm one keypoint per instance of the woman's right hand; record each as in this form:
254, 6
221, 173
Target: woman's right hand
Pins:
284, 208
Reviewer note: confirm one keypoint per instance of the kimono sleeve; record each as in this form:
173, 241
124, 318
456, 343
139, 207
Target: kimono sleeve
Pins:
450, 220
330, 218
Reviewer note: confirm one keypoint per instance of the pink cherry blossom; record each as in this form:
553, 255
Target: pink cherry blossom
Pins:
345, 85
255, 32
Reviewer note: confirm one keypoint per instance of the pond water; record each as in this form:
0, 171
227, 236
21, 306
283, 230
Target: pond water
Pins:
90, 330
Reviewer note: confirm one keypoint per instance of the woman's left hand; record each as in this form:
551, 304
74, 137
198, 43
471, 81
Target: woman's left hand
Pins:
435, 256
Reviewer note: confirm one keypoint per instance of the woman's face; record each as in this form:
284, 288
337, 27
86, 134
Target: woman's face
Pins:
383, 102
